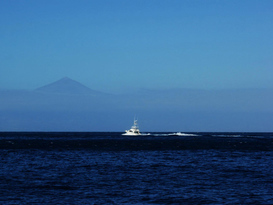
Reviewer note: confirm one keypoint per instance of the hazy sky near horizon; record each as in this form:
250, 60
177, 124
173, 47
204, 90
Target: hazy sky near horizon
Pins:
109, 45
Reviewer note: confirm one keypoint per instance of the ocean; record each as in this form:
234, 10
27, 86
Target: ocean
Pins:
108, 168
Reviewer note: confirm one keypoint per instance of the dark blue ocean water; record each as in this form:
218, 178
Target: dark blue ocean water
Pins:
107, 168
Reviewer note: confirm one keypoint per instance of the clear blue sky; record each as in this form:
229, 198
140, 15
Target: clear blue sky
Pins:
108, 45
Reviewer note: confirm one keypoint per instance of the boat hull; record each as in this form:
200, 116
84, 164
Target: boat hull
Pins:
131, 134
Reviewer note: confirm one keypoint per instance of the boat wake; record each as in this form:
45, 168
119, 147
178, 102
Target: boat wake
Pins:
181, 134
174, 134
145, 134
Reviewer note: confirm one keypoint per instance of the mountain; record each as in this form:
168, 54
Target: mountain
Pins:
67, 86
67, 105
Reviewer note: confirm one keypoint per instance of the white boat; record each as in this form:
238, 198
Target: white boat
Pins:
134, 131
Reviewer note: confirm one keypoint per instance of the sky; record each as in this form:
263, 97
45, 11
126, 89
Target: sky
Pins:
116, 45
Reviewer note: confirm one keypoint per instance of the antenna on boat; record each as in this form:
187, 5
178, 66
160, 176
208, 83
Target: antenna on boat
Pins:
135, 121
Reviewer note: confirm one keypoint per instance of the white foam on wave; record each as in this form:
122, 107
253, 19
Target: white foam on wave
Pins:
174, 134
145, 134
182, 134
